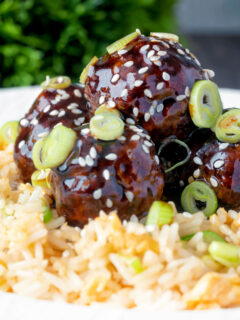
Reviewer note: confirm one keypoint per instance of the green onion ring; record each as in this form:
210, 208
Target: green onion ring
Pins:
121, 43
60, 82
9, 132
53, 150
225, 253
205, 105
199, 191
227, 128
106, 126
160, 213
181, 143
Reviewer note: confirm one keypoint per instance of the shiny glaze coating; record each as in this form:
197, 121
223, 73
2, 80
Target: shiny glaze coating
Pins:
51, 107
122, 174
150, 81
218, 164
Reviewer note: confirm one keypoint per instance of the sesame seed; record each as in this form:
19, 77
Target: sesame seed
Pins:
213, 182
53, 113
122, 138
93, 152
89, 161
135, 137
42, 134
181, 183
165, 76
76, 111
196, 173
34, 122
218, 164
60, 80
180, 51
150, 53
161, 53
24, 122
190, 179
187, 92
77, 93
106, 174
81, 162
21, 144
124, 92
157, 63
138, 83
101, 100
58, 124
129, 195
109, 203
72, 106
152, 110
144, 48
160, 85
156, 47
128, 64
135, 111
210, 73
136, 129
61, 113
154, 58
197, 160
142, 70
123, 51
65, 96
97, 194
156, 160
223, 146
197, 62
47, 108
130, 121
85, 131
148, 93
147, 116
111, 156
159, 107
138, 31
145, 149
111, 104
115, 78
187, 50
147, 143
181, 97
79, 121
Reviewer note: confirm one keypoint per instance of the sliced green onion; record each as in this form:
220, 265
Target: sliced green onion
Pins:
53, 150
121, 43
225, 253
60, 82
134, 263
211, 263
47, 215
205, 105
228, 126
41, 178
104, 108
181, 143
106, 126
160, 213
84, 74
201, 192
9, 132
164, 35
208, 236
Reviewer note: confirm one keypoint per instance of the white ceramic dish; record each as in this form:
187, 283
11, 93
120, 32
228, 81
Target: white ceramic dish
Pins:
13, 104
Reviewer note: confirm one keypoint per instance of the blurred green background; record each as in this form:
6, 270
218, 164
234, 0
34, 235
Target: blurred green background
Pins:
52, 37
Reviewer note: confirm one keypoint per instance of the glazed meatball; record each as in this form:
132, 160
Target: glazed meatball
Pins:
68, 107
150, 81
218, 164
122, 175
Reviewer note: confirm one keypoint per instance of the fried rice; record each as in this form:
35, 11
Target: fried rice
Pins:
55, 261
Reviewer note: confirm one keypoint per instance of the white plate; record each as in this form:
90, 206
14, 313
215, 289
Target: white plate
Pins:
13, 104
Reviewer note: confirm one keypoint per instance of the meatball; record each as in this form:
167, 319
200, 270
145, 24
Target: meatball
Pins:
51, 107
122, 175
218, 164
150, 81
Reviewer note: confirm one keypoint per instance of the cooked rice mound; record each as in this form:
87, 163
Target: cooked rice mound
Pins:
57, 262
